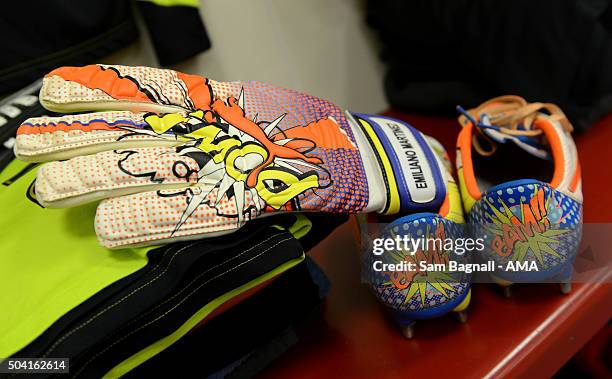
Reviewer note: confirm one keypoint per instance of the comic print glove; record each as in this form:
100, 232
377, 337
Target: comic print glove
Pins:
175, 156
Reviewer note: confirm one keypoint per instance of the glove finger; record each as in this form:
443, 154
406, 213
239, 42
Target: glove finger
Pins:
114, 173
106, 87
43, 139
167, 216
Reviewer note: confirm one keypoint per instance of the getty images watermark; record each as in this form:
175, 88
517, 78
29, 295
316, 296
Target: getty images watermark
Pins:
411, 250
443, 252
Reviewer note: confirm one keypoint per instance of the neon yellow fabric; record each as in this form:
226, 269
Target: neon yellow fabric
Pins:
301, 227
455, 212
174, 3
50, 262
468, 201
154, 349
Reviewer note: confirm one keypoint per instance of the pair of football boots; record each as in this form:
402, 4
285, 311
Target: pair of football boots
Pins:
515, 214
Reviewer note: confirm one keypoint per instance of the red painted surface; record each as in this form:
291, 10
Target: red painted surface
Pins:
530, 335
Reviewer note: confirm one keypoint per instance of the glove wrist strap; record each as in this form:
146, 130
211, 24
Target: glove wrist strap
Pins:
401, 164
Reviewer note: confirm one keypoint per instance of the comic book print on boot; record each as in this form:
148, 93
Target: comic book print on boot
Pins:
532, 231
171, 153
420, 294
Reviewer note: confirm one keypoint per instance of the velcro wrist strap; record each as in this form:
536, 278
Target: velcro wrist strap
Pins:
410, 170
